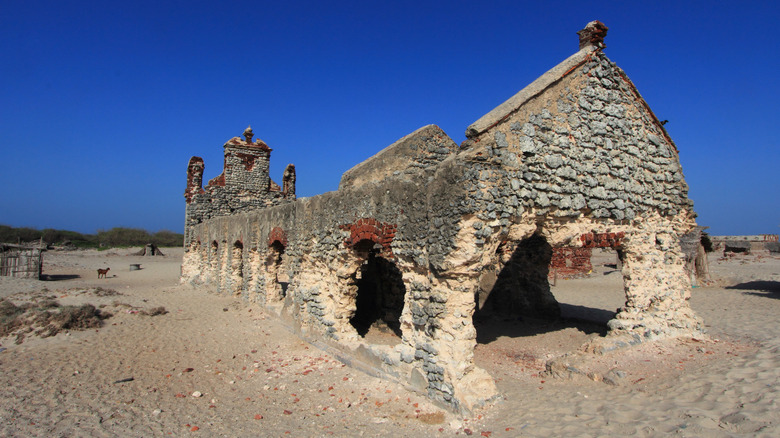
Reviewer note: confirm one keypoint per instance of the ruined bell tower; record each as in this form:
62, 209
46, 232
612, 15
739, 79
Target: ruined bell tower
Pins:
246, 164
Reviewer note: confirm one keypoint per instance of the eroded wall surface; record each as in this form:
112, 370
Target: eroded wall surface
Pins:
423, 235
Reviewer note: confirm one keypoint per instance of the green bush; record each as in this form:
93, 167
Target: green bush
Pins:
115, 237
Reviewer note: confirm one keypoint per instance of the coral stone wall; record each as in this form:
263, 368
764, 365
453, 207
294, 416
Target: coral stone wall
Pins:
423, 235
243, 185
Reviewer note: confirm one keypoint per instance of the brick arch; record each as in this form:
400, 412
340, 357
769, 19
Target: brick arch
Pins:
277, 234
602, 240
381, 233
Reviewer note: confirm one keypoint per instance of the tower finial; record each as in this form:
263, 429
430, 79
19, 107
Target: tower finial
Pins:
593, 35
248, 134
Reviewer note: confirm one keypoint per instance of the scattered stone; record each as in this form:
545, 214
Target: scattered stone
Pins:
614, 377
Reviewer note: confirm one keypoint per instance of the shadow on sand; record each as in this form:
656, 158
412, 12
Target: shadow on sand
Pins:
585, 319
761, 288
59, 277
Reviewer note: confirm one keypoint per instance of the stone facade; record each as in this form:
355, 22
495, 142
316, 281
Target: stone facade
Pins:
427, 233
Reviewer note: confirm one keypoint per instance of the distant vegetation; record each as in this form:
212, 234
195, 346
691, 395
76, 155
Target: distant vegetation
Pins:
104, 238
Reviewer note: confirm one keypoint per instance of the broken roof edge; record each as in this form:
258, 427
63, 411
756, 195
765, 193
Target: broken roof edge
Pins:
649, 110
394, 157
499, 113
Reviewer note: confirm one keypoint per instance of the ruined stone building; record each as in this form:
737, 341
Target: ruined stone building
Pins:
426, 233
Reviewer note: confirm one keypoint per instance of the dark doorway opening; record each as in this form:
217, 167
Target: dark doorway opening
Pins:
213, 258
274, 267
237, 267
520, 289
518, 320
380, 293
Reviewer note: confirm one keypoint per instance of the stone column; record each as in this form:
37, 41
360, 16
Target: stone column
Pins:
449, 364
288, 182
657, 290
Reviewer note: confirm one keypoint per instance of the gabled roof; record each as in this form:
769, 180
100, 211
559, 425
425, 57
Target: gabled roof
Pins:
533, 89
591, 41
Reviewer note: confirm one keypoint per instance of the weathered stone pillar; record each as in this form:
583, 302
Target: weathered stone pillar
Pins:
192, 263
657, 291
449, 364
288, 182
194, 187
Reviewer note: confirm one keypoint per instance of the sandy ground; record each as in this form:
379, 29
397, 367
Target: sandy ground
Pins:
215, 366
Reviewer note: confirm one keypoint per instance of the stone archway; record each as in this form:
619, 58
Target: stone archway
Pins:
275, 274
276, 281
375, 290
213, 262
236, 275
518, 284
379, 293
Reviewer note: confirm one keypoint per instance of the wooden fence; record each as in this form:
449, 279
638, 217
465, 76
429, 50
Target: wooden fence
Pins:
21, 261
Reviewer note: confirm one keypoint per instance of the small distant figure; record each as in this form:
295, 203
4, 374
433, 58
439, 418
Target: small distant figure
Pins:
103, 272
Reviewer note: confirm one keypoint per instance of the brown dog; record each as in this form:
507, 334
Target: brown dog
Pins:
103, 272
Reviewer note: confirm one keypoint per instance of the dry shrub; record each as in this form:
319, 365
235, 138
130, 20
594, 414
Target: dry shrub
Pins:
154, 311
48, 317
9, 317
47, 303
103, 292
81, 317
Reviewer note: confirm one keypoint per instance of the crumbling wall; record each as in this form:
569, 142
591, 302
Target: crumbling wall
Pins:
574, 161
588, 149
243, 185
570, 262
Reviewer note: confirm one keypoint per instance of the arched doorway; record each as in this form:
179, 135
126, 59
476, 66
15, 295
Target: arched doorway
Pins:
379, 299
213, 262
237, 268
518, 285
276, 280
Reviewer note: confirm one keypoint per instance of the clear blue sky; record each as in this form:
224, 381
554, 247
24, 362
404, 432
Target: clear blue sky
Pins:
102, 103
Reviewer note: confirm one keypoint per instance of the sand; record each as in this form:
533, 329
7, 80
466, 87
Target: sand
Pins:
217, 366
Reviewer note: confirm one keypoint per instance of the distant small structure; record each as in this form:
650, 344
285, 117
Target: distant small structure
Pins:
737, 246
150, 250
745, 244
21, 260
750, 238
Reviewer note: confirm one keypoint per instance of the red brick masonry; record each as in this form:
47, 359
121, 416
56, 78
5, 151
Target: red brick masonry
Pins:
373, 230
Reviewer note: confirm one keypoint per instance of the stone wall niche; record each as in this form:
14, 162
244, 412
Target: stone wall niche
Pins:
276, 280
236, 276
